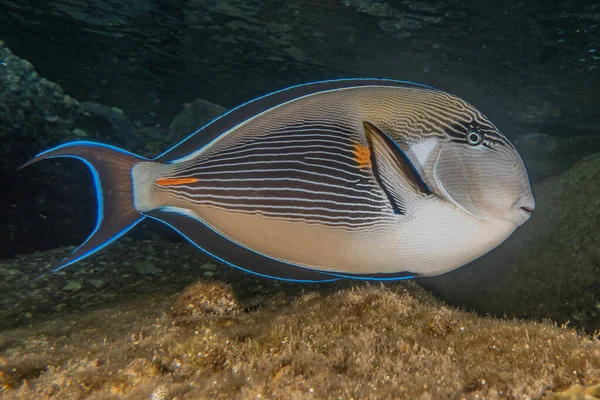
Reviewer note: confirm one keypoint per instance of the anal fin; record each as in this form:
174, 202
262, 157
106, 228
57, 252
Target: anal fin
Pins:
233, 254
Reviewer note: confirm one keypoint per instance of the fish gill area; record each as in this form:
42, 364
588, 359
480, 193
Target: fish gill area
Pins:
151, 317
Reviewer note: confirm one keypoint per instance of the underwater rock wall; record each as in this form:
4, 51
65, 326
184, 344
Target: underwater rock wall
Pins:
546, 155
44, 207
34, 113
534, 69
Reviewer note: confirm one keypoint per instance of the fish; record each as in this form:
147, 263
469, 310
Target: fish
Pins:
372, 179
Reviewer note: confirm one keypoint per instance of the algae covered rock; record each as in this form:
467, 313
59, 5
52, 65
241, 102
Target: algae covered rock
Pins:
34, 113
155, 140
204, 298
550, 267
578, 392
547, 155
195, 115
240, 336
31, 107
364, 341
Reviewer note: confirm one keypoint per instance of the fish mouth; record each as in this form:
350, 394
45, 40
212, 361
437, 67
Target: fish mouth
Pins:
527, 210
522, 209
519, 214
522, 214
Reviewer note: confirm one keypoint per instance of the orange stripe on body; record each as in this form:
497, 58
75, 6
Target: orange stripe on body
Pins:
362, 155
175, 181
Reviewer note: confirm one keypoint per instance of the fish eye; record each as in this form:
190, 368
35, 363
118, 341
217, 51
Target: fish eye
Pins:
474, 138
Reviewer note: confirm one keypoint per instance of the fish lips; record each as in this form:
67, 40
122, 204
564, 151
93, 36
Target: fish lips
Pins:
521, 210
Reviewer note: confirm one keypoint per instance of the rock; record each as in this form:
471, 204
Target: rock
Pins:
546, 155
591, 392
202, 298
47, 206
152, 140
108, 122
550, 267
31, 107
73, 286
209, 267
146, 267
126, 269
392, 341
194, 116
34, 114
97, 283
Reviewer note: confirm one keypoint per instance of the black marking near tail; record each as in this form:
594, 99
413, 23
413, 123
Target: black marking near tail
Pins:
111, 171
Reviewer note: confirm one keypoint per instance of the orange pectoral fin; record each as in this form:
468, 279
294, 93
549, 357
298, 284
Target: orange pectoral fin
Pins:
175, 181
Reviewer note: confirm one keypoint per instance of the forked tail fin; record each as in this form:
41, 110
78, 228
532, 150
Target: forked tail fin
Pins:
111, 170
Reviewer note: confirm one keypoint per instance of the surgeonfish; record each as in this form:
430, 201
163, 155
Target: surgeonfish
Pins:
352, 178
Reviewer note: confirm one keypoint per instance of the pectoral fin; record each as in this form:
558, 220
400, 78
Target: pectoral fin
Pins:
394, 171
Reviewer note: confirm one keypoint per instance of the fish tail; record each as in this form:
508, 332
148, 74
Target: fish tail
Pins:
111, 169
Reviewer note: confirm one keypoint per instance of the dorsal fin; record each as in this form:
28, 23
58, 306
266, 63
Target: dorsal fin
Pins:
234, 117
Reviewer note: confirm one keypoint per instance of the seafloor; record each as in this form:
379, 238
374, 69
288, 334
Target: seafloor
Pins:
122, 326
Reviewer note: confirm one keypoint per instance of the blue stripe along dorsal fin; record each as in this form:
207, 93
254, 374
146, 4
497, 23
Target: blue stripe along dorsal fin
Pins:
234, 117
228, 252
393, 170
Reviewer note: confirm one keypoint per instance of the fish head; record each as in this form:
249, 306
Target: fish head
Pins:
481, 172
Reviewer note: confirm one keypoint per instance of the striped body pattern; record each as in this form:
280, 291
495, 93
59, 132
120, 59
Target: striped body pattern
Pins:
364, 179
312, 173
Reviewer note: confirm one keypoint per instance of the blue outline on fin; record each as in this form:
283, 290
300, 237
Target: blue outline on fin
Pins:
237, 266
336, 276
99, 217
99, 199
383, 80
88, 143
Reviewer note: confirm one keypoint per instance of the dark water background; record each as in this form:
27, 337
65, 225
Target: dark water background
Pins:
531, 66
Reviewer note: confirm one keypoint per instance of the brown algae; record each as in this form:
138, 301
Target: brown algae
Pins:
367, 341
